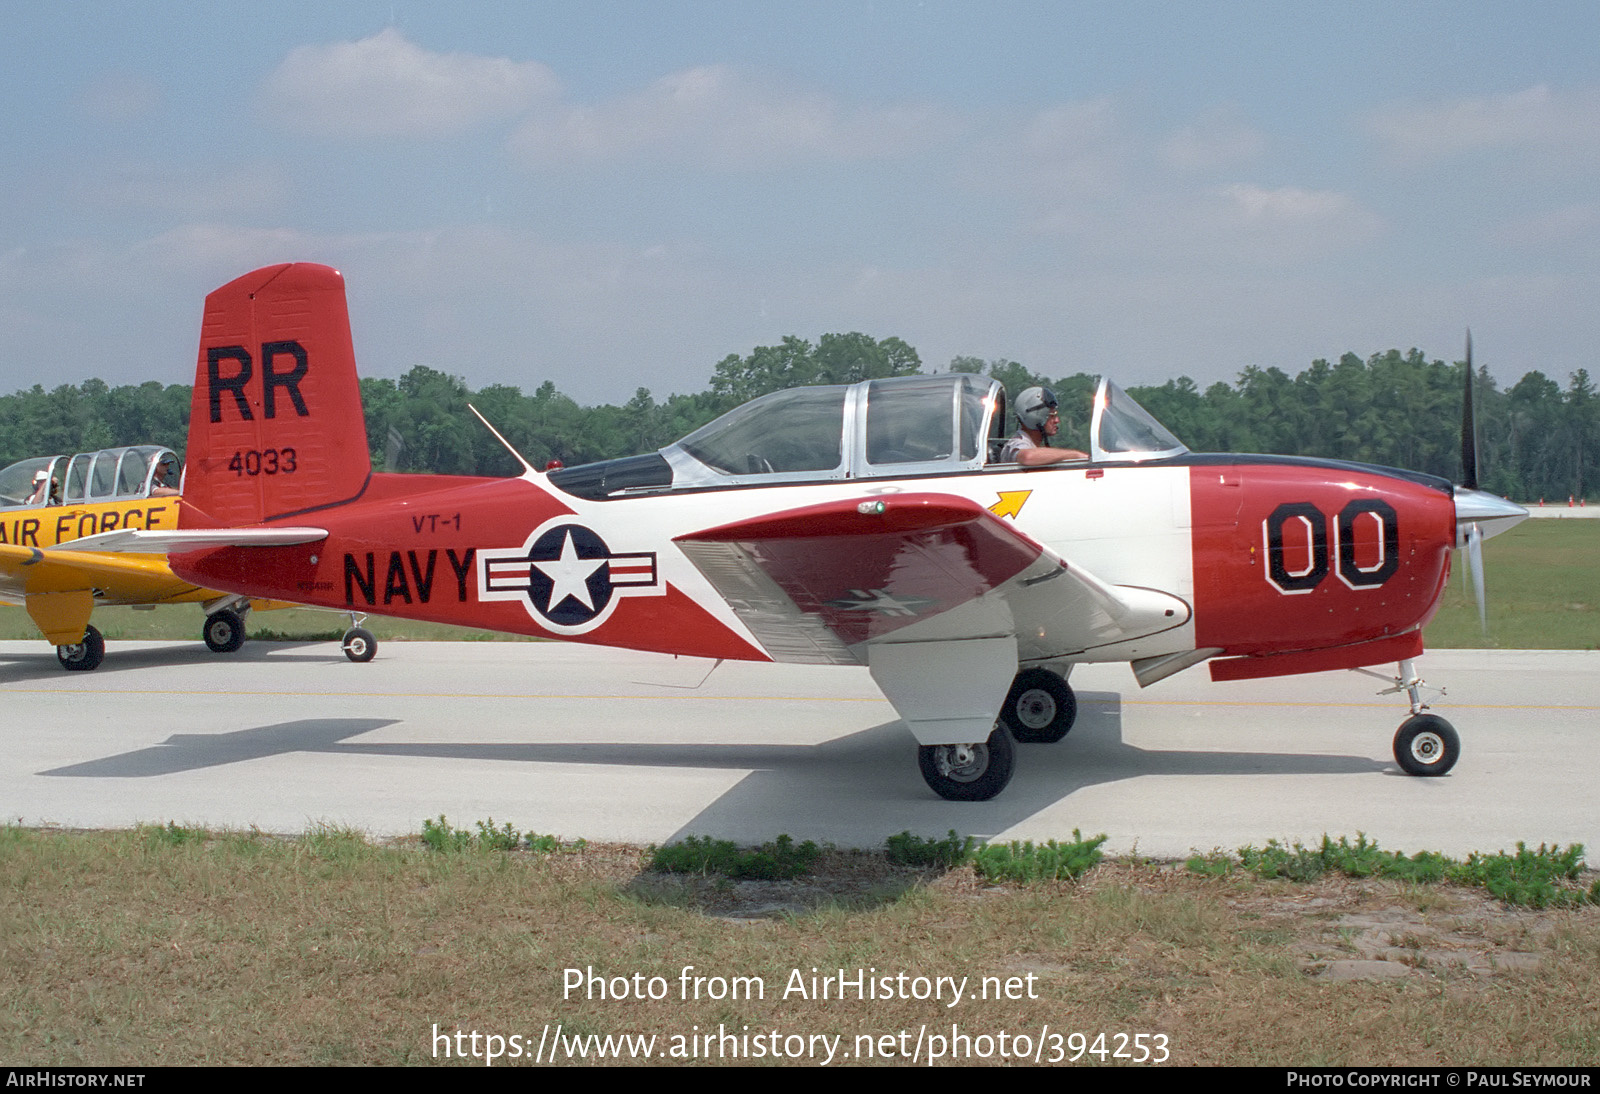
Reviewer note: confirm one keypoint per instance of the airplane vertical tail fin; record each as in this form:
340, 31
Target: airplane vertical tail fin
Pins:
276, 427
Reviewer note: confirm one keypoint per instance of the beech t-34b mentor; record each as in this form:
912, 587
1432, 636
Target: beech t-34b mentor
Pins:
65, 523
849, 525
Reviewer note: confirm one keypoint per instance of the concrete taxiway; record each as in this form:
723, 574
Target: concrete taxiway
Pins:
619, 746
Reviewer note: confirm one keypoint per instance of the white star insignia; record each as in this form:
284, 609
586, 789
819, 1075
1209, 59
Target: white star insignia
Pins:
570, 575
880, 600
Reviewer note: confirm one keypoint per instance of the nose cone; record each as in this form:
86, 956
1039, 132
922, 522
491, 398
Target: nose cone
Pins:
1490, 512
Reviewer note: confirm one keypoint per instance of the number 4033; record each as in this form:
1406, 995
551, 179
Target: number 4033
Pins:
266, 461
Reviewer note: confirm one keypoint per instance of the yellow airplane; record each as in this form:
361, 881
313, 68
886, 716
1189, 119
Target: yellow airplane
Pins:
58, 514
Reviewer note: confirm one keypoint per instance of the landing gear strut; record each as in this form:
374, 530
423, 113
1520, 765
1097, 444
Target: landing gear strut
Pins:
359, 645
1425, 744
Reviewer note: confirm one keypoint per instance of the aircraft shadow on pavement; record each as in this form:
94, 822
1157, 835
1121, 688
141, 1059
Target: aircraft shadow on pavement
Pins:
866, 780
44, 665
194, 751
871, 778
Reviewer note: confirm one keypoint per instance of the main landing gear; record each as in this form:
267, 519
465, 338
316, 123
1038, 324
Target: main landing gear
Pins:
83, 656
1425, 744
224, 630
1039, 709
358, 643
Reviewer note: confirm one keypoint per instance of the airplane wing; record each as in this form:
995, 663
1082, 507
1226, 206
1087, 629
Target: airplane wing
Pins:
940, 598
138, 541
30, 571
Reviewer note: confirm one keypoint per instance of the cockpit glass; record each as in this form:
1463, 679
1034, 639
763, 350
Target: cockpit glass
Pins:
801, 429
1124, 430
21, 483
910, 422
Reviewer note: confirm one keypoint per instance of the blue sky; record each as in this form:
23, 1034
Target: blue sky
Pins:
617, 195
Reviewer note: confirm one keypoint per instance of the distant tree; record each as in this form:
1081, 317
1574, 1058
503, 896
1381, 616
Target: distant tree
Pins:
1399, 409
795, 362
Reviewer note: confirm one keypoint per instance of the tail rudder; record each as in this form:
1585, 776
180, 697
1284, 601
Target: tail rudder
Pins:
276, 427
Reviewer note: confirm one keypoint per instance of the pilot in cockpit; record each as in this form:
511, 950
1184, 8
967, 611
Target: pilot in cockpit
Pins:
164, 483
1039, 417
46, 490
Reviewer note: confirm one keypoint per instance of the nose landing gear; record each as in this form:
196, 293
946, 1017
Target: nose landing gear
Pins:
1425, 744
358, 643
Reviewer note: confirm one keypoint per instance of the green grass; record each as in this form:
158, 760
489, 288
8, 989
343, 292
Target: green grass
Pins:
181, 622
909, 850
1049, 861
780, 859
1542, 581
1543, 878
171, 945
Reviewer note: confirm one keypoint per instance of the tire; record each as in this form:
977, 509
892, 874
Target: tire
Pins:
1040, 708
1426, 745
83, 656
359, 645
986, 771
224, 631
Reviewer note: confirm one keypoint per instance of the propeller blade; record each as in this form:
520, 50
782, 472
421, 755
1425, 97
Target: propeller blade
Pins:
1469, 428
1475, 564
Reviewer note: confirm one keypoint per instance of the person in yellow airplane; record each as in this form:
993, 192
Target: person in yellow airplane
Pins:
51, 510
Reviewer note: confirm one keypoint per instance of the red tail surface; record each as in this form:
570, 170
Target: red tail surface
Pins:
276, 428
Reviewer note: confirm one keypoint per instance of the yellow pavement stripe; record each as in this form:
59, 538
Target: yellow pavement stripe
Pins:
1298, 705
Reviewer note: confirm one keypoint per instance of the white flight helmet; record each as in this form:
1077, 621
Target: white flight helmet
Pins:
1033, 407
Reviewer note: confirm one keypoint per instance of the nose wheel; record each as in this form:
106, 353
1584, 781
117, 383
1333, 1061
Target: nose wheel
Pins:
1425, 745
358, 643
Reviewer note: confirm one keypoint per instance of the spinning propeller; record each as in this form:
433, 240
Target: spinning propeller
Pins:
1476, 508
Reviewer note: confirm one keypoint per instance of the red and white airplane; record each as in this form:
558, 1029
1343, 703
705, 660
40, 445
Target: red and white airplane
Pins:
851, 525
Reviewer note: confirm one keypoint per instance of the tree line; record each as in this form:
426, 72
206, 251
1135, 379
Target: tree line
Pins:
1537, 438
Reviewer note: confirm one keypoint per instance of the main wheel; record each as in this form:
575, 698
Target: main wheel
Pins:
359, 645
224, 631
85, 655
1426, 744
1040, 709
969, 773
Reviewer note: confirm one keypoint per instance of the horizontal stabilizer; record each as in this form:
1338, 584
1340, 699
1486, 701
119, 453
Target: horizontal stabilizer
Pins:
139, 541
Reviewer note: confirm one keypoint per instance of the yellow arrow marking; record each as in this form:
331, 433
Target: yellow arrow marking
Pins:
1010, 503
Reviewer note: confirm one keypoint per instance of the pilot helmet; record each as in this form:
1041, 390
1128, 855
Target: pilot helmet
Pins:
1033, 407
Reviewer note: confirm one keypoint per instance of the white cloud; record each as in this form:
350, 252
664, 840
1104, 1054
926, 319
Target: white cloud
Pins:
1562, 123
1286, 204
386, 86
1290, 224
714, 115
1217, 139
